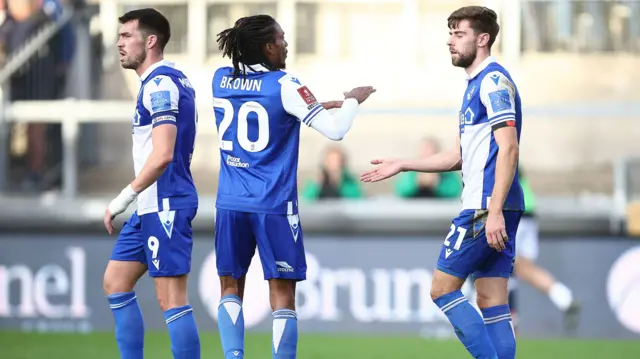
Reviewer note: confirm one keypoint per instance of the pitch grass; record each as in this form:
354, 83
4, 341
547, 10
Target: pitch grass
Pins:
101, 345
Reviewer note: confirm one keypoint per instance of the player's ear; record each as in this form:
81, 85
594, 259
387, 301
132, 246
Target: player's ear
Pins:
483, 40
152, 40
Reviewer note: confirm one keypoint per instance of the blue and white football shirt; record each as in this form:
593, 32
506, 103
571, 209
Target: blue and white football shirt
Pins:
258, 116
166, 97
490, 102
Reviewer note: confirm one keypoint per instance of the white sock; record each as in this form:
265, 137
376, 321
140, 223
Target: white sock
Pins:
561, 296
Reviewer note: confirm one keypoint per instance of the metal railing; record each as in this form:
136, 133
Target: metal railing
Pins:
16, 61
588, 214
70, 114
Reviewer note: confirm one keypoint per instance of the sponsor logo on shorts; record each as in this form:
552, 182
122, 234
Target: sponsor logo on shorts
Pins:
284, 267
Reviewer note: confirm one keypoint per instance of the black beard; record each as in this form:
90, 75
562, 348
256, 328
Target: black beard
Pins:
135, 62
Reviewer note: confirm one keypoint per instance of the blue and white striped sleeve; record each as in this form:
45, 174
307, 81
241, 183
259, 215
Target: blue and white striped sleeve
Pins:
160, 98
299, 101
497, 94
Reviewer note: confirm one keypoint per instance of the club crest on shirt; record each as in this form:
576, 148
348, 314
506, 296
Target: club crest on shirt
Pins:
471, 92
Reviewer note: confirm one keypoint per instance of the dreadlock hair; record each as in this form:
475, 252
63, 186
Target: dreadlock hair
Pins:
244, 42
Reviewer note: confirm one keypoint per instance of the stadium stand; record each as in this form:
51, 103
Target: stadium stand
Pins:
577, 126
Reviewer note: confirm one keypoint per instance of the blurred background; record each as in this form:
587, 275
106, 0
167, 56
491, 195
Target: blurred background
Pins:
65, 113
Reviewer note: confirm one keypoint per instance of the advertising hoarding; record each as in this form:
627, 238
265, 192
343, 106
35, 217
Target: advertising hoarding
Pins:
355, 284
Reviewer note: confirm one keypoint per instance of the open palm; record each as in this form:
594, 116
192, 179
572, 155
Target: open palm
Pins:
385, 168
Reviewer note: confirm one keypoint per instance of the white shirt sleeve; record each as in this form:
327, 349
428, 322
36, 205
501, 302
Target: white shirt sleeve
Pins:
498, 95
160, 98
300, 102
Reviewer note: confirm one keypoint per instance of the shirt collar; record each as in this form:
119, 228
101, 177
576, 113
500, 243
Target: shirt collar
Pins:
252, 68
155, 66
489, 60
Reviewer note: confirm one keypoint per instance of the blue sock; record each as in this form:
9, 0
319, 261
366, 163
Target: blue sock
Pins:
185, 342
231, 326
129, 324
468, 325
498, 323
285, 334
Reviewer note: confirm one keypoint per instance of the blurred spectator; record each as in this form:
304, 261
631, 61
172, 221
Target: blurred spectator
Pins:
335, 179
428, 185
65, 40
42, 77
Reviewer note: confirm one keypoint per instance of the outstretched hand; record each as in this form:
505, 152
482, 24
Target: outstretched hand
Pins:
361, 94
331, 104
385, 168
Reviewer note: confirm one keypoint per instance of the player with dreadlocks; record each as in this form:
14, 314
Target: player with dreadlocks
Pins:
258, 110
244, 43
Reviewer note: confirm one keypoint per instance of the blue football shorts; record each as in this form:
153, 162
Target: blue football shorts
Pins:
466, 252
278, 238
161, 240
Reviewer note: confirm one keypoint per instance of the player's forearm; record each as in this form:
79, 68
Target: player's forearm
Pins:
154, 167
335, 126
440, 162
152, 170
505, 171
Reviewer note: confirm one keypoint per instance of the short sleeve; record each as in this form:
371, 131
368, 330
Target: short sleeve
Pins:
498, 95
160, 98
299, 101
